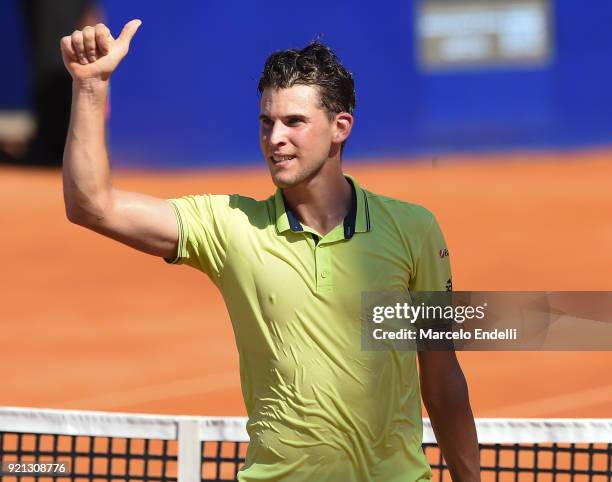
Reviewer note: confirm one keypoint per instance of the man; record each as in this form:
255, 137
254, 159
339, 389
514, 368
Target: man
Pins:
291, 270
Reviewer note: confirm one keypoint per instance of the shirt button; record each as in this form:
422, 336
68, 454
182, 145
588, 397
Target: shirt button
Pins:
324, 274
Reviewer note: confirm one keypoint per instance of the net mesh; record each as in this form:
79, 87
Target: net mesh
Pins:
534, 462
95, 446
87, 457
499, 462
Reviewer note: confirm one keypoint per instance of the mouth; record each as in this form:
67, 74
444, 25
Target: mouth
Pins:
278, 160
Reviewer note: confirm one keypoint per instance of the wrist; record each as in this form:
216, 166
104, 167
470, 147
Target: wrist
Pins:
90, 86
92, 92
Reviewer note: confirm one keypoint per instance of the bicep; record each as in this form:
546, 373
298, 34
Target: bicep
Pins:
440, 374
143, 222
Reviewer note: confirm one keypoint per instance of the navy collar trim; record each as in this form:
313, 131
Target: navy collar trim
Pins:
349, 220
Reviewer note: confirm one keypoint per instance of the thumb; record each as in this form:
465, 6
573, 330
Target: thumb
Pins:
129, 30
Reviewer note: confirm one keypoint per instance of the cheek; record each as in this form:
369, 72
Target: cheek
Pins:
321, 142
315, 140
263, 139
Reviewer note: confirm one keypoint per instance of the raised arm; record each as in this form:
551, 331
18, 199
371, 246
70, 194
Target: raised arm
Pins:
143, 222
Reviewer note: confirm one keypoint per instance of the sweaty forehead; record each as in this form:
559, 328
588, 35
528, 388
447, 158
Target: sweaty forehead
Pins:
298, 99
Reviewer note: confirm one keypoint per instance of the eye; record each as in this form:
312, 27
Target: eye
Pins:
293, 121
266, 122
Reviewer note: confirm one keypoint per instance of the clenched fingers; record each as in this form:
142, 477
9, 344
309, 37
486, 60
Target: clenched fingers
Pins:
66, 45
89, 43
103, 38
78, 47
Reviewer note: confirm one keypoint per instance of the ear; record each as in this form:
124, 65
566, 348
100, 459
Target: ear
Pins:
343, 123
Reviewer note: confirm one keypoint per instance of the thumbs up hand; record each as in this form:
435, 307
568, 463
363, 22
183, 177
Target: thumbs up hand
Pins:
93, 53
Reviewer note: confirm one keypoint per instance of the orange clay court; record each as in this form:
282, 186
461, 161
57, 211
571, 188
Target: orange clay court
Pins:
90, 324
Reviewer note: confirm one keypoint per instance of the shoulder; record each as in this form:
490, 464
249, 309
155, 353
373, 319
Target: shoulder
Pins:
409, 216
221, 201
252, 209
222, 206
248, 212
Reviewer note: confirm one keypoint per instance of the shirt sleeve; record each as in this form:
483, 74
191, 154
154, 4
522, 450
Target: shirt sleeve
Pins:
432, 270
203, 223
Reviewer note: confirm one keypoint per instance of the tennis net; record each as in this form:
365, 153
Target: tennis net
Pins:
93, 446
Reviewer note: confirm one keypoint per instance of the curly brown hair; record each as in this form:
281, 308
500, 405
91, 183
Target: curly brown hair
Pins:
315, 65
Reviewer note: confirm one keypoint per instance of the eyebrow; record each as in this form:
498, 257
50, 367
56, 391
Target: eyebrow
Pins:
289, 116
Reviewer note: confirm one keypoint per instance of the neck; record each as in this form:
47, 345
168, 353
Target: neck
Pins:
321, 202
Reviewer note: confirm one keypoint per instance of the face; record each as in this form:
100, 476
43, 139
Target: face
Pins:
295, 134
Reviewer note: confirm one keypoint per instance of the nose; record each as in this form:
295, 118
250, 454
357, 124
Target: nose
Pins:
278, 134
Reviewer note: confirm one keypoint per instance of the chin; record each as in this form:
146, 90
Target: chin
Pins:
284, 179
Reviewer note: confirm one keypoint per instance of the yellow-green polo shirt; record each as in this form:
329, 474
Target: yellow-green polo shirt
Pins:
320, 408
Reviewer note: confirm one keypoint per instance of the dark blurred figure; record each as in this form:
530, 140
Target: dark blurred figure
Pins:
47, 21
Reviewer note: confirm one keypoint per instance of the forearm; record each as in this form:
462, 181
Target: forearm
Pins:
86, 170
453, 423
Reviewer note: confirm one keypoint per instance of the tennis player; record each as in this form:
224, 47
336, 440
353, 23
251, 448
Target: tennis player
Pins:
291, 269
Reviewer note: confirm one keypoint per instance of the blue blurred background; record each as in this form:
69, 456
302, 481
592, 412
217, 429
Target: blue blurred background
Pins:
186, 94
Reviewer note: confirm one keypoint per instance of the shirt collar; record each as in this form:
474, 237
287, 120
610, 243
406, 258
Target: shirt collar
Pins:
357, 219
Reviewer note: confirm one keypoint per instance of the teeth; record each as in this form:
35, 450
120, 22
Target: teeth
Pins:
282, 158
